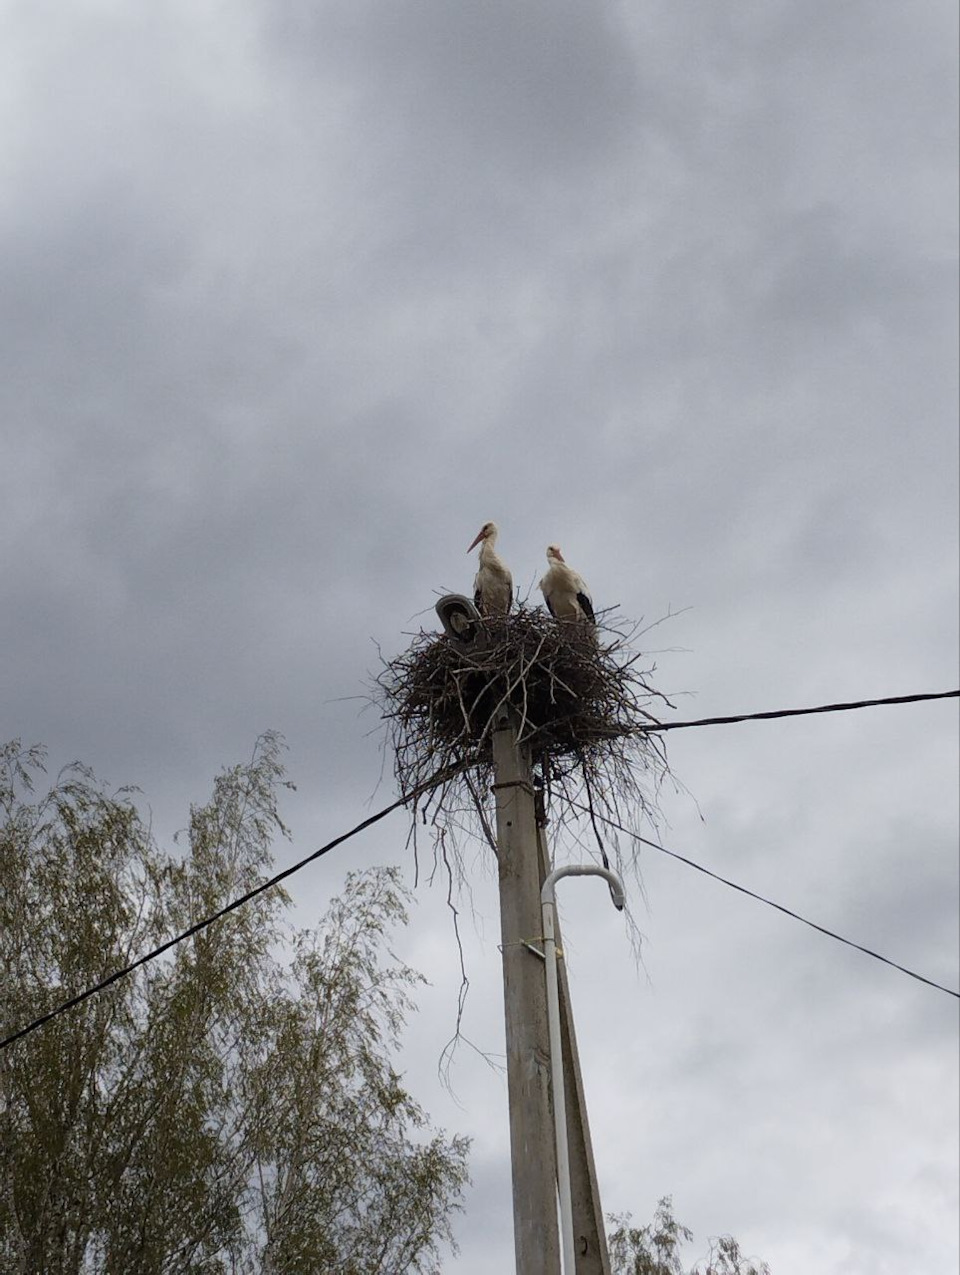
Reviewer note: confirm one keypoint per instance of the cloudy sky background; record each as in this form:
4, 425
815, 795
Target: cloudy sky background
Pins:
295, 295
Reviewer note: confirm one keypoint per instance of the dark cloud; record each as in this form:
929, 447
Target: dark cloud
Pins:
514, 93
293, 298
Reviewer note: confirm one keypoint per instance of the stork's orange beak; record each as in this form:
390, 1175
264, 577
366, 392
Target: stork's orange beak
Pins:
479, 536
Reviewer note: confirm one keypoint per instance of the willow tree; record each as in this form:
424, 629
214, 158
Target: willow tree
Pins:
656, 1249
222, 1108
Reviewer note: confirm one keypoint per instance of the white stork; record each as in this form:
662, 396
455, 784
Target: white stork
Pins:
565, 592
493, 586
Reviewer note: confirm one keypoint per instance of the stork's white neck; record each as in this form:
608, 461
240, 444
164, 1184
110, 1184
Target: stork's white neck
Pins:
487, 545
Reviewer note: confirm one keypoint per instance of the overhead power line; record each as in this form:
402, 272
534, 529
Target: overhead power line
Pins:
431, 783
229, 907
822, 929
799, 712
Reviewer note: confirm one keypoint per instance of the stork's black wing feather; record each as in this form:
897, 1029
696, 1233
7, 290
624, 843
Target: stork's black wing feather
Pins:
587, 605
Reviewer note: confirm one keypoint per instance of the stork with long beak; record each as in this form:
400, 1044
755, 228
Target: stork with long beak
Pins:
564, 591
493, 586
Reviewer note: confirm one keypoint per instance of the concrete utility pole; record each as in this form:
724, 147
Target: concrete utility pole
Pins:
524, 865
532, 1149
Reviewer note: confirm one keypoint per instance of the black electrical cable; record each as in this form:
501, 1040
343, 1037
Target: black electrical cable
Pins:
447, 774
798, 712
230, 907
769, 902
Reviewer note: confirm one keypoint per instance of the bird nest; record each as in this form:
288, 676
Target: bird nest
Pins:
578, 695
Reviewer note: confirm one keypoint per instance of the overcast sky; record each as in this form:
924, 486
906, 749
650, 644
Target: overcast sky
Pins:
295, 295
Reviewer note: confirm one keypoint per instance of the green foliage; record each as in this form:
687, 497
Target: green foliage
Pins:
656, 1249
215, 1111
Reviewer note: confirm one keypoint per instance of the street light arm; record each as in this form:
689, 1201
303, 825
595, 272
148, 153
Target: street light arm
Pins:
583, 870
548, 912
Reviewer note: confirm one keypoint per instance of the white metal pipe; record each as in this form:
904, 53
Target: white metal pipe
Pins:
548, 909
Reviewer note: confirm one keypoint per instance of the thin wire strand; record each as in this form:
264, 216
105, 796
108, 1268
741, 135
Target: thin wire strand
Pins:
229, 907
797, 712
654, 845
431, 783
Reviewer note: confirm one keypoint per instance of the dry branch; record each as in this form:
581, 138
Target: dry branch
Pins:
579, 695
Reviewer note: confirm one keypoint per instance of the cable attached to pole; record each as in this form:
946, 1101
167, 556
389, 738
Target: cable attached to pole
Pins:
448, 773
822, 929
798, 712
227, 908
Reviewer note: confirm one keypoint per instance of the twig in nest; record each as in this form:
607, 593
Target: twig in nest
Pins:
445, 1061
578, 694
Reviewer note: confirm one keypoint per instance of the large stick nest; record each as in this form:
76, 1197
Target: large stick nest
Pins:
581, 701
578, 694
